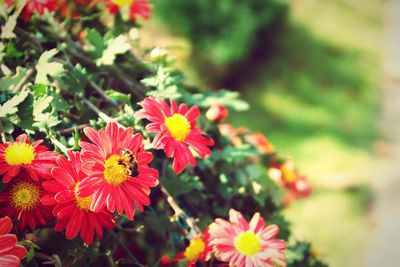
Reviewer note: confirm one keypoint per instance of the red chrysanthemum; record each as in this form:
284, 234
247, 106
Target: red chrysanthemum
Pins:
199, 249
177, 133
21, 154
10, 253
21, 200
286, 174
247, 244
118, 175
141, 8
38, 7
72, 211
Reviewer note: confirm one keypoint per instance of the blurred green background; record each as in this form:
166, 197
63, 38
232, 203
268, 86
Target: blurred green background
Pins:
310, 70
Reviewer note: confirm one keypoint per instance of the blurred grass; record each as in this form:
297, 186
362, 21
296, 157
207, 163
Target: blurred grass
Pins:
317, 100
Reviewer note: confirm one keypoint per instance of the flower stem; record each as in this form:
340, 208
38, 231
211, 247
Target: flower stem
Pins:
125, 248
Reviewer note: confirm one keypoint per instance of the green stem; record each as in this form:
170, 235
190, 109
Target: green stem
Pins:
125, 248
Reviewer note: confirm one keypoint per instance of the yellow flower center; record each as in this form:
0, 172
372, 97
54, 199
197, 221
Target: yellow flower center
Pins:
82, 202
248, 243
121, 3
288, 174
115, 173
178, 126
19, 154
25, 196
195, 248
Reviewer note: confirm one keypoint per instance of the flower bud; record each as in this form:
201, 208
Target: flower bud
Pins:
217, 113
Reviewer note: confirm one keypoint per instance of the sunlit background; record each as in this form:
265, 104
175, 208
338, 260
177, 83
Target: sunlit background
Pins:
316, 75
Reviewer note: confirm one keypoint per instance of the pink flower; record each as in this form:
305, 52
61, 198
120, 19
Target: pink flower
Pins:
117, 167
244, 244
177, 133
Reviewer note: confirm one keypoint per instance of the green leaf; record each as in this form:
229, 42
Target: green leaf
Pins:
24, 118
223, 97
11, 106
74, 79
7, 83
12, 51
40, 105
96, 42
46, 68
117, 96
115, 46
45, 121
7, 31
166, 85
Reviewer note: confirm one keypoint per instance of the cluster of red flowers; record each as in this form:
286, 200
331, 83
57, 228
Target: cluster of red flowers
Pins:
83, 190
237, 242
66, 8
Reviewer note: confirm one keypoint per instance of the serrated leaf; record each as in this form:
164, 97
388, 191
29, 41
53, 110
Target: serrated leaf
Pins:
7, 31
165, 85
97, 44
46, 68
223, 97
11, 106
24, 118
115, 46
74, 79
45, 121
7, 83
40, 105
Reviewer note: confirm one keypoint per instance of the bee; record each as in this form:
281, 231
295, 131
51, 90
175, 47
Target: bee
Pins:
130, 162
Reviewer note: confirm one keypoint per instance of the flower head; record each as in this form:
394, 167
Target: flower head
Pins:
21, 200
10, 253
244, 244
177, 133
136, 8
199, 249
217, 113
38, 7
259, 141
286, 174
71, 210
118, 176
22, 154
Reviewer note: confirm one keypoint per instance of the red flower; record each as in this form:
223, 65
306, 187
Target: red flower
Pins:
199, 249
35, 159
10, 253
72, 211
118, 175
285, 173
217, 113
136, 8
38, 7
20, 200
259, 141
177, 133
140, 8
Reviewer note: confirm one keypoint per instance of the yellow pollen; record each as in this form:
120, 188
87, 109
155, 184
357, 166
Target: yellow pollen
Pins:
178, 126
25, 196
19, 154
248, 243
195, 248
121, 3
82, 202
114, 172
